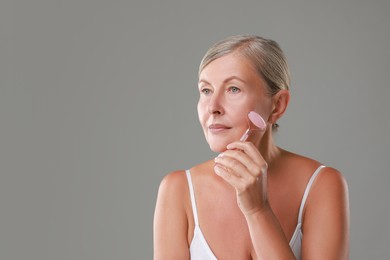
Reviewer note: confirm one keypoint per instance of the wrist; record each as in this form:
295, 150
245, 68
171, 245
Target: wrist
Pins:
264, 210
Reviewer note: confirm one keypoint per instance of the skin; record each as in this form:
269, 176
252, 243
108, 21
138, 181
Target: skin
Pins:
248, 197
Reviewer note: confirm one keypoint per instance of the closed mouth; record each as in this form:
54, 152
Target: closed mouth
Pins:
218, 127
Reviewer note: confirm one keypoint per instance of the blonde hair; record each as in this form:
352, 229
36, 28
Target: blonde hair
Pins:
265, 54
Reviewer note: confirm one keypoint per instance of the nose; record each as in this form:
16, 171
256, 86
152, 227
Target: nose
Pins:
215, 106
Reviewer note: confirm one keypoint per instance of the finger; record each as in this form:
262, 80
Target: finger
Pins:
235, 168
241, 183
250, 150
244, 159
225, 174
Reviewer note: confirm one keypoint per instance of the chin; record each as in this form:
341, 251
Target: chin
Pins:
218, 150
218, 147
218, 143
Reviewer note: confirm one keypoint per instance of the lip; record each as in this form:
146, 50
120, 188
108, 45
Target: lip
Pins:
216, 128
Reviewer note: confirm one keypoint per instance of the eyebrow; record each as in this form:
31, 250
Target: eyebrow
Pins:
226, 80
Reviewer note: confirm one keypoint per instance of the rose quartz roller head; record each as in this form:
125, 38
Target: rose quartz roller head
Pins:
256, 123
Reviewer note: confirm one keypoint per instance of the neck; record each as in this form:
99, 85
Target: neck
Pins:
267, 147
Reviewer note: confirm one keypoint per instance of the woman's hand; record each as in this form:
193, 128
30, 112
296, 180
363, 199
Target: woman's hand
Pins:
243, 167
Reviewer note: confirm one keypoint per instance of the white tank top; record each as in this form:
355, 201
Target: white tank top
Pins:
200, 250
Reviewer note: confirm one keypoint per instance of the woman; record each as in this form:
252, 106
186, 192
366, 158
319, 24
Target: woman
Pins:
254, 200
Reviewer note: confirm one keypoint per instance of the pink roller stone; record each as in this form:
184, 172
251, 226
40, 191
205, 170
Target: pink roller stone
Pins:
256, 119
256, 123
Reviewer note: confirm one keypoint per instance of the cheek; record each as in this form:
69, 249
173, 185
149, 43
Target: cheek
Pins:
240, 111
265, 110
201, 113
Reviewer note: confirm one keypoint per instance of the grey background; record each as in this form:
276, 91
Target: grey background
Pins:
98, 103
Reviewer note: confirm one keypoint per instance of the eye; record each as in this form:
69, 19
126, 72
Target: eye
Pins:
205, 91
234, 89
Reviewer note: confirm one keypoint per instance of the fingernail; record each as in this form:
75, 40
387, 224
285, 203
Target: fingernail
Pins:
217, 170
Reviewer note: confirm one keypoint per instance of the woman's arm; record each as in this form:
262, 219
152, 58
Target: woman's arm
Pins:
267, 236
170, 220
326, 218
243, 167
325, 223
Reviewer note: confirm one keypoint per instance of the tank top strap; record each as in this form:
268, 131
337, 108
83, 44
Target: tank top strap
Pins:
309, 184
192, 196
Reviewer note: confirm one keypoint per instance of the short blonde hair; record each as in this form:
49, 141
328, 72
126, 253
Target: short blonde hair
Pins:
265, 54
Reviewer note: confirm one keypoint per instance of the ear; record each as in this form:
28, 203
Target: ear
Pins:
279, 105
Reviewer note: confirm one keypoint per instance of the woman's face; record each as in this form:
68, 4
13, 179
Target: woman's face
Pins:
229, 88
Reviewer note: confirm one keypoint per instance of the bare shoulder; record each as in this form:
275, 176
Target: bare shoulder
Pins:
301, 166
325, 222
173, 182
328, 183
326, 217
170, 218
329, 193
331, 180
173, 187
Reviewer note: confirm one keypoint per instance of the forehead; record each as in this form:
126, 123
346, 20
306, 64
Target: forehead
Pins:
230, 65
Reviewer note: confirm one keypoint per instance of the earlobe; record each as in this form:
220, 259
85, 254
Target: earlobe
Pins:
280, 103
